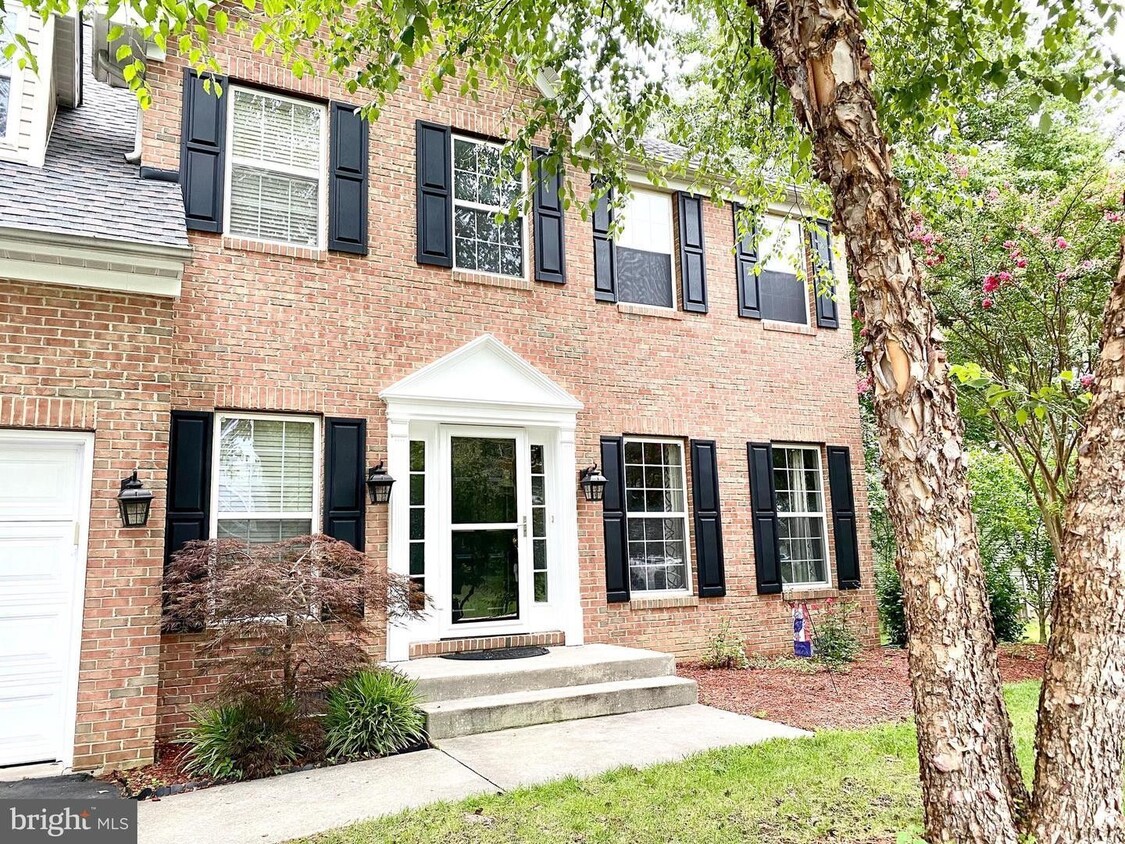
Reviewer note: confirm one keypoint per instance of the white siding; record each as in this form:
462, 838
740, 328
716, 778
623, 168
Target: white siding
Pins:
29, 112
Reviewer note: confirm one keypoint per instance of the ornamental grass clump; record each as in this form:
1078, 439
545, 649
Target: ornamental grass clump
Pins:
373, 713
252, 736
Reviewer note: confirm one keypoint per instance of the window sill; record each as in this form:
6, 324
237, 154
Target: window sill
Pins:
648, 310
809, 593
788, 327
664, 602
245, 244
491, 280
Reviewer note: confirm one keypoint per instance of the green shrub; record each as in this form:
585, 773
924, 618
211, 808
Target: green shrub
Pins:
888, 592
725, 649
835, 640
253, 736
372, 713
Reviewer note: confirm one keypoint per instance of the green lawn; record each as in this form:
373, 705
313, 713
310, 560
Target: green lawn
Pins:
844, 785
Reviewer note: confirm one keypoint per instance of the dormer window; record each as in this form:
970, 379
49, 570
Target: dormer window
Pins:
9, 70
276, 169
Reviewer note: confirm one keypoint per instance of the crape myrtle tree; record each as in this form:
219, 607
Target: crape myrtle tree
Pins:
817, 57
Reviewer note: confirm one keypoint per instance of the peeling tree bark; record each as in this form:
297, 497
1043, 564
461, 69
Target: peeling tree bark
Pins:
972, 789
1082, 704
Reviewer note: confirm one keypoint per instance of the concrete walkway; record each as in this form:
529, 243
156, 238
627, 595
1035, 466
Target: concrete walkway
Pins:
295, 805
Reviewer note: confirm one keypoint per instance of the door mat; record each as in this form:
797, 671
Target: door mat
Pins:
499, 653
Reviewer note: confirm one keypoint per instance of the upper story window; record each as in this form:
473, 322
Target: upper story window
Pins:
486, 183
276, 169
8, 70
782, 282
801, 523
656, 515
266, 469
644, 250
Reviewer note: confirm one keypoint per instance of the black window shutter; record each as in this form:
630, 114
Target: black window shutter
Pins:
188, 504
345, 454
550, 238
613, 521
745, 257
763, 503
693, 269
843, 516
435, 194
203, 139
605, 253
827, 312
347, 186
708, 523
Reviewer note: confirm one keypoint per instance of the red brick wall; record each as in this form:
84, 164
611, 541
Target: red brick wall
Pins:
86, 360
271, 328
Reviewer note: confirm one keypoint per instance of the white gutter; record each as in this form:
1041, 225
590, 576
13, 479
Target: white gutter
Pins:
95, 263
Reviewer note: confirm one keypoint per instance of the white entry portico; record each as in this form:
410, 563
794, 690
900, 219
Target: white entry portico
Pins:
484, 514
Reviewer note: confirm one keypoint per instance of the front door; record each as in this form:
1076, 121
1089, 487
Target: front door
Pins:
488, 484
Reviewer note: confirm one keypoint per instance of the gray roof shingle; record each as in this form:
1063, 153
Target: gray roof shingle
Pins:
86, 187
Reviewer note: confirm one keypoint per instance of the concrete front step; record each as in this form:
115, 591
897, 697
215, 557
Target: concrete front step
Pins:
448, 679
488, 713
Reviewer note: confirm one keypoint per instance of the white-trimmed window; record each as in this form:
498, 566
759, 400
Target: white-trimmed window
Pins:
644, 250
276, 171
782, 284
801, 523
266, 471
656, 515
486, 183
540, 590
9, 73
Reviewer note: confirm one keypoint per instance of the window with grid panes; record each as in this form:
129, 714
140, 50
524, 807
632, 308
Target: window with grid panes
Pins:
418, 513
801, 521
656, 515
539, 524
485, 184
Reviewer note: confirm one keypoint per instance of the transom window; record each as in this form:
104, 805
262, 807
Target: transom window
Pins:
486, 183
276, 168
782, 281
8, 68
656, 515
801, 523
266, 470
644, 250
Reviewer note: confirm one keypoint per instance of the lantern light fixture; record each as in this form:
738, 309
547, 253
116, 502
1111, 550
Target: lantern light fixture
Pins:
593, 483
379, 484
134, 502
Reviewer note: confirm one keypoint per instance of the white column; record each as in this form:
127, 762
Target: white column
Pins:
566, 486
398, 526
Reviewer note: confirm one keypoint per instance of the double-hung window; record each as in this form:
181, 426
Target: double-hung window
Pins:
266, 469
644, 250
783, 277
656, 515
801, 523
8, 72
276, 168
486, 184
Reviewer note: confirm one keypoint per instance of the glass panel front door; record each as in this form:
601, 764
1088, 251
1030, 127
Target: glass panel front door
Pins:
485, 527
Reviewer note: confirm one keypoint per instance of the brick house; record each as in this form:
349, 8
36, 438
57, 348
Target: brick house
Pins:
252, 301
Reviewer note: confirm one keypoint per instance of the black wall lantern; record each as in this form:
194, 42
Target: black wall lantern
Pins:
593, 483
379, 484
134, 502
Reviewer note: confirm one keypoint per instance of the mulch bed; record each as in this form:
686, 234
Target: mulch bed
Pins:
874, 689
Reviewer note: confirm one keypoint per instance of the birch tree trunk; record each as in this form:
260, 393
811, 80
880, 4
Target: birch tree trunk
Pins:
1082, 704
972, 789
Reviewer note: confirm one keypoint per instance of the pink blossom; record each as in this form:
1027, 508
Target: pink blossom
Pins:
991, 282
1087, 264
1021, 262
1112, 217
857, 315
864, 332
1063, 276
928, 238
864, 385
934, 260
1061, 244
1004, 277
962, 172
1087, 381
987, 303
1010, 245
993, 194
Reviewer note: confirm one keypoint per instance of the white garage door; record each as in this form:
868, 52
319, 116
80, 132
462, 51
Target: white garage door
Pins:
44, 502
